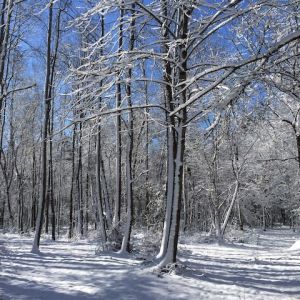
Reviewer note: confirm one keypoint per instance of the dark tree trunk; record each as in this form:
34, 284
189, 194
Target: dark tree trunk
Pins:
117, 206
71, 221
129, 177
178, 143
99, 203
36, 243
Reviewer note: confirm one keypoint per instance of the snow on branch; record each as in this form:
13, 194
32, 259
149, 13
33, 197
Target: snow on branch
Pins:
286, 40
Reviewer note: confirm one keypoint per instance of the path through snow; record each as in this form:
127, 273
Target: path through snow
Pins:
265, 269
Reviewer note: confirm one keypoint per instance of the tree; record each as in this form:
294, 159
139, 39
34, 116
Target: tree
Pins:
187, 85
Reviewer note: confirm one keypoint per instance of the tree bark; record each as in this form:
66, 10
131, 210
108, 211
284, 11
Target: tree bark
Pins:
99, 192
129, 179
71, 221
36, 243
171, 142
117, 206
176, 174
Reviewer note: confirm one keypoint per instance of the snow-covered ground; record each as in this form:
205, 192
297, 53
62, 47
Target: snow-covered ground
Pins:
264, 268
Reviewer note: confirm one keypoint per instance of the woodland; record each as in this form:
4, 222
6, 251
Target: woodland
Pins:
166, 117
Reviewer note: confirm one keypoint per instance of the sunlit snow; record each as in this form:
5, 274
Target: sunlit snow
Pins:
264, 267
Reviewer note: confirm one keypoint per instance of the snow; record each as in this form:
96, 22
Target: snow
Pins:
295, 246
263, 268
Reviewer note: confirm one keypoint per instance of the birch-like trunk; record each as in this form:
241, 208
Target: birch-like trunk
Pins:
229, 210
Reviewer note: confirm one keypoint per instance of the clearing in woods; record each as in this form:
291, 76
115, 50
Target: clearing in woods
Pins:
263, 268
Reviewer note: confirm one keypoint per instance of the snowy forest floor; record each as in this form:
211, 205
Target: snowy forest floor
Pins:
262, 267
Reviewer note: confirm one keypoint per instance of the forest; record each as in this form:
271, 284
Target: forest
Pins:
135, 126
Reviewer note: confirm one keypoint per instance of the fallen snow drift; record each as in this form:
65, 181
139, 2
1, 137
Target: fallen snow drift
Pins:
295, 246
71, 270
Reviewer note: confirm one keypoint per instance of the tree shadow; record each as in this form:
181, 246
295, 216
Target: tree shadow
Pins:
265, 276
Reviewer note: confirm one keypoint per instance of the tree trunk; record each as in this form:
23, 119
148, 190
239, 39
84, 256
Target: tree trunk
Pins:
99, 193
79, 182
33, 193
185, 200
171, 143
174, 221
175, 173
129, 179
86, 203
50, 193
240, 216
264, 224
39, 224
234, 196
108, 212
71, 221
298, 148
117, 206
